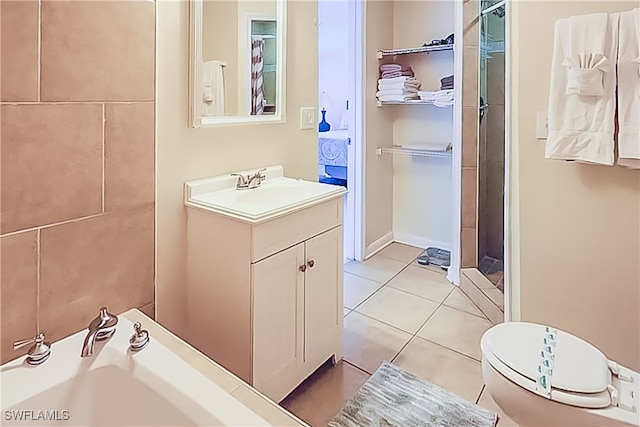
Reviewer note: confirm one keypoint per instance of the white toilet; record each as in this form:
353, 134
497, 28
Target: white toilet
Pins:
541, 376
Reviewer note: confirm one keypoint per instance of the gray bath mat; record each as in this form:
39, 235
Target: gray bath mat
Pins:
393, 397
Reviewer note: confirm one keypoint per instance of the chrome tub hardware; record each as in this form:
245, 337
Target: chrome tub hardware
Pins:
139, 339
100, 328
250, 181
38, 352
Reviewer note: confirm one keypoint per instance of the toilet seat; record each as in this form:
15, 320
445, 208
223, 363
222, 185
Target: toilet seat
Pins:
580, 376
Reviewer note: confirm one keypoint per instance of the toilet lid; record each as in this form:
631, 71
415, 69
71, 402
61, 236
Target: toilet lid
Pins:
579, 368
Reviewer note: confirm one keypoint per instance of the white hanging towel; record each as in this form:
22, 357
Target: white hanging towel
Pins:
213, 96
582, 93
629, 90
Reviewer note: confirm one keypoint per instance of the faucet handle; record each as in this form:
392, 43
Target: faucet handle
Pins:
39, 351
139, 339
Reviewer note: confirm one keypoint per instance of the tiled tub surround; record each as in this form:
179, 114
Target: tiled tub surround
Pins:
406, 313
77, 138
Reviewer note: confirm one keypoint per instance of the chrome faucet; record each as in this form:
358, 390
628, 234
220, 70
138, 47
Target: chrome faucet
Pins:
250, 181
100, 328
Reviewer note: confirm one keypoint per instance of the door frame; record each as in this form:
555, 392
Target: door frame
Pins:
357, 7
453, 273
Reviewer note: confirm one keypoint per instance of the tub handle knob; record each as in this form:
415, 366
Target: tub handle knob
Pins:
139, 339
38, 352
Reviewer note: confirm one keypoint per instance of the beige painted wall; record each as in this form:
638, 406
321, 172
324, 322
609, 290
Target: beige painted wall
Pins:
576, 227
184, 153
378, 126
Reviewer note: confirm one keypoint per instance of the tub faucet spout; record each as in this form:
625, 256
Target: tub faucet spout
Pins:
100, 328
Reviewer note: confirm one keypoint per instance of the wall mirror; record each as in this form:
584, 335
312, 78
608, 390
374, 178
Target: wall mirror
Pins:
237, 62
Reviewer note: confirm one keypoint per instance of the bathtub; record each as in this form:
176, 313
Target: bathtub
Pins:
157, 386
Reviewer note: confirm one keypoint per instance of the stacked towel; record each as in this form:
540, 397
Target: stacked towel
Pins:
388, 71
399, 89
439, 98
446, 83
629, 90
582, 92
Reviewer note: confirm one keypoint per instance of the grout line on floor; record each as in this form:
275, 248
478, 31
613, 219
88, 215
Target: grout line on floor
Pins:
418, 330
480, 394
377, 290
450, 349
385, 323
420, 296
356, 366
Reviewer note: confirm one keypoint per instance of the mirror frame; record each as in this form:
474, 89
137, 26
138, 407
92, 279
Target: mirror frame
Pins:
196, 65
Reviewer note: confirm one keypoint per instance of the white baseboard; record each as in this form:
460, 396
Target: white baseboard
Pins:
420, 242
378, 245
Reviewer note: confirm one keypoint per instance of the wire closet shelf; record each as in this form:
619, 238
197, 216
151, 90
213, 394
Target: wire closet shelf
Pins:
413, 151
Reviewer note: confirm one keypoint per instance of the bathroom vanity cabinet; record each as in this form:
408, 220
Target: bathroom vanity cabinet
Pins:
265, 296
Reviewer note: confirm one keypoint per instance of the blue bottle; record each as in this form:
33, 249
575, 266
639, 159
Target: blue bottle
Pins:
324, 126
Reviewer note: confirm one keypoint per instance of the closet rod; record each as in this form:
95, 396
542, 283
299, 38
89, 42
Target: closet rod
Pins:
420, 152
494, 7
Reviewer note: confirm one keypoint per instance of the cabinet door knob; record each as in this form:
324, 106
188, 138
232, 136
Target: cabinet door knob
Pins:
303, 267
311, 263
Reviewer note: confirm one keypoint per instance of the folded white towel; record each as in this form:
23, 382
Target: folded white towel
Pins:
629, 89
438, 94
399, 98
582, 93
397, 79
399, 85
412, 92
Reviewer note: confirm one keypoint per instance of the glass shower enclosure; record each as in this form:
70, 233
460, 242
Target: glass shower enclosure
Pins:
491, 158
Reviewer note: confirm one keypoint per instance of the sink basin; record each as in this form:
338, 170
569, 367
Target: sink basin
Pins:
269, 195
276, 196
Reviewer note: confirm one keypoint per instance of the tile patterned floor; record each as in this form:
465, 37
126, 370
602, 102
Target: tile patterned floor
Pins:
406, 313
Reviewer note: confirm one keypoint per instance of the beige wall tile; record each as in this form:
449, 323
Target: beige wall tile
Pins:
469, 197
469, 247
149, 310
19, 50
129, 155
469, 136
495, 79
495, 133
470, 97
98, 50
471, 10
51, 163
102, 261
18, 290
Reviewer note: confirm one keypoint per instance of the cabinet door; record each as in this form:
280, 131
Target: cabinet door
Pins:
278, 322
323, 297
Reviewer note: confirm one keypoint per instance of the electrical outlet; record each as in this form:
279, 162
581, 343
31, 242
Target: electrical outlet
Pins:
542, 125
307, 118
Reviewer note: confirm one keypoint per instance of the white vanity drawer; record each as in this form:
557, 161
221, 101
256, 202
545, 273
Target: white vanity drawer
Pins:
275, 235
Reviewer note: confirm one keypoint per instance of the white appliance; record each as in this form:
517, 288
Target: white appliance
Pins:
542, 376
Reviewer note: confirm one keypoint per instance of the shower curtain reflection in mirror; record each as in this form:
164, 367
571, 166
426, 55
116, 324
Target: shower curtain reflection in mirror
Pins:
263, 66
